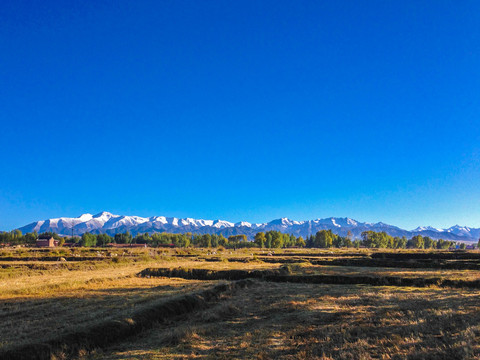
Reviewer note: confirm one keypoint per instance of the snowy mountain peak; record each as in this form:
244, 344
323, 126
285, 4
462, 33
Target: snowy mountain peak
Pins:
282, 221
220, 224
426, 228
84, 217
104, 214
351, 222
111, 224
458, 227
243, 223
461, 230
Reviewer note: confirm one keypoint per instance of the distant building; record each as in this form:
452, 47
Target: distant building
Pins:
47, 242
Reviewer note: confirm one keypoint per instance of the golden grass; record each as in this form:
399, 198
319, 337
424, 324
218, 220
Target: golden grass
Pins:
381, 271
301, 321
44, 299
58, 277
34, 318
55, 297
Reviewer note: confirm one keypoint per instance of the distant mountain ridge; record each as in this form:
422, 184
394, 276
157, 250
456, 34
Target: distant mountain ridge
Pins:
111, 224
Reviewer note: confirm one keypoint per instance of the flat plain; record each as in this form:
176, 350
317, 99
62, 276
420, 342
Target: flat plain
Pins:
243, 304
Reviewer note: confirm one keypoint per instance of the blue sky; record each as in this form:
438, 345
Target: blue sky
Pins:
247, 110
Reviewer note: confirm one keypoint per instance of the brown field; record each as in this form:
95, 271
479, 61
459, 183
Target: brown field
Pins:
303, 321
62, 307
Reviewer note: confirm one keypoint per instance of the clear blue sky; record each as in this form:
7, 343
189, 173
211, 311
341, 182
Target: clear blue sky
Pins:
241, 110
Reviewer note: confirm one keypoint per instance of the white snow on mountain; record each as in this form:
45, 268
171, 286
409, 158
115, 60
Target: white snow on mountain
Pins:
427, 228
459, 230
38, 225
159, 219
243, 223
220, 224
106, 222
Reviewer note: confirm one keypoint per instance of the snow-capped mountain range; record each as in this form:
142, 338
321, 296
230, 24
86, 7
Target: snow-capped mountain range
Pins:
108, 223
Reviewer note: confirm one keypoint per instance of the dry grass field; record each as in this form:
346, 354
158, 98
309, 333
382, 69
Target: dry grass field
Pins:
54, 309
44, 304
304, 321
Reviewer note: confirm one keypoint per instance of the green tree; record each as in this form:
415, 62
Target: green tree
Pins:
30, 238
237, 239
348, 242
88, 240
400, 243
300, 242
260, 239
277, 239
104, 239
291, 241
181, 240
142, 239
268, 244
310, 241
417, 242
337, 241
368, 238
222, 240
206, 241
443, 244
123, 238
429, 243
372, 239
324, 239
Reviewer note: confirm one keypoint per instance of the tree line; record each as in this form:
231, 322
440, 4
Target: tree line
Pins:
378, 240
154, 240
269, 239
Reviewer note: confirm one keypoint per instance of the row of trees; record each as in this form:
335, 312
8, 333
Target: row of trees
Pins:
372, 239
269, 239
276, 239
379, 240
161, 239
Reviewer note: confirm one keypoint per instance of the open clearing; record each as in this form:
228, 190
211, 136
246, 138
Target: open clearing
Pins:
99, 307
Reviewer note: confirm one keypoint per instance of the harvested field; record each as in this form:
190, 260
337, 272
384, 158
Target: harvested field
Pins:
196, 304
305, 321
302, 268
284, 275
364, 261
25, 318
101, 330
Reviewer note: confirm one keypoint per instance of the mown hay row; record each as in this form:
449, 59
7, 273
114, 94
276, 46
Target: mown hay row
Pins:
206, 274
321, 254
53, 258
403, 255
433, 255
280, 276
111, 331
408, 264
364, 262
374, 280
